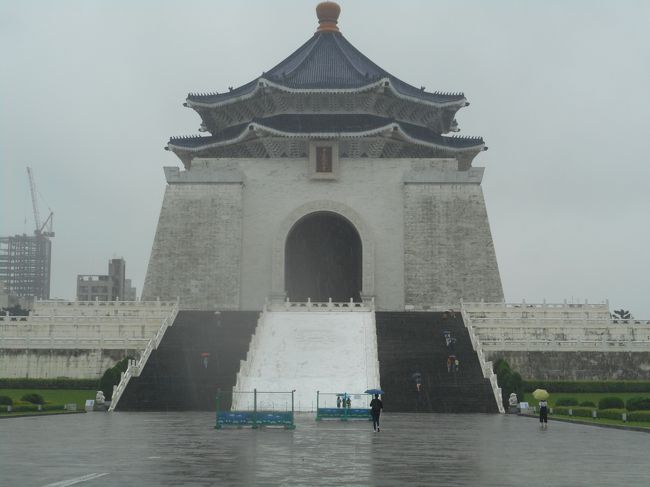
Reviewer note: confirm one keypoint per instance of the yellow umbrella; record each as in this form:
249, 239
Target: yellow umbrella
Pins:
540, 394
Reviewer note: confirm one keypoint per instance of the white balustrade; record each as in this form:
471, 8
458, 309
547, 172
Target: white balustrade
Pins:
135, 368
486, 366
548, 327
551, 327
310, 305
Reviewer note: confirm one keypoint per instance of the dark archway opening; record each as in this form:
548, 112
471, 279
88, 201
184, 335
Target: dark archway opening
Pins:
323, 259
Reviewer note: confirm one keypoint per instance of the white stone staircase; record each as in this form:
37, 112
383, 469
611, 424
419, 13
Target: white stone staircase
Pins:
309, 347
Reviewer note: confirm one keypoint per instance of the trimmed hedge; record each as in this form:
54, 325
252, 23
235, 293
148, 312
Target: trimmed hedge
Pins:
53, 407
566, 401
611, 413
639, 416
588, 385
638, 404
34, 398
577, 411
84, 384
33, 408
24, 409
583, 412
587, 404
611, 403
6, 401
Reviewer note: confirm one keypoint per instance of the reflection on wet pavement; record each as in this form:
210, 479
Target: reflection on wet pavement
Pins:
148, 449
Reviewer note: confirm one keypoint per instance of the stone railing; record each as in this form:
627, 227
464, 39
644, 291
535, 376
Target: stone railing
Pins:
486, 365
630, 321
76, 332
79, 320
575, 327
100, 308
426, 307
566, 345
77, 343
310, 305
135, 367
540, 321
543, 310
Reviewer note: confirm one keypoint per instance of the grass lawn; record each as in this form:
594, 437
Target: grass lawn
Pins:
584, 396
40, 413
636, 424
593, 397
53, 396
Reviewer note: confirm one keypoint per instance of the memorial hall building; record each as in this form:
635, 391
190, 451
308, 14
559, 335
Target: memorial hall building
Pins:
324, 234
325, 177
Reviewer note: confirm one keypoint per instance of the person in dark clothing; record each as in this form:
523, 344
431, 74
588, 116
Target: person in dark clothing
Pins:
543, 413
375, 410
417, 377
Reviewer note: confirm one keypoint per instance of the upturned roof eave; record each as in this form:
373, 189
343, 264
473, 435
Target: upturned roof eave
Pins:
254, 127
262, 83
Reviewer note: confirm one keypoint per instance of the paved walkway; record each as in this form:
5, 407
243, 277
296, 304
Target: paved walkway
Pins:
152, 449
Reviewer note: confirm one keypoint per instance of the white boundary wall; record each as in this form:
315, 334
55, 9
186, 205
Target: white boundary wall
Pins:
77, 339
554, 327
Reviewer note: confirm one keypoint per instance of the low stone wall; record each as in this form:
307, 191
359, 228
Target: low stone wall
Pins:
574, 365
78, 339
54, 363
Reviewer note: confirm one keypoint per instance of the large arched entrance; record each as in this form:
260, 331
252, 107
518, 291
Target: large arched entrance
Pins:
323, 259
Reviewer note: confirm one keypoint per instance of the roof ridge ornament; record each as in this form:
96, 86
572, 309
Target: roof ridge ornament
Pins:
328, 16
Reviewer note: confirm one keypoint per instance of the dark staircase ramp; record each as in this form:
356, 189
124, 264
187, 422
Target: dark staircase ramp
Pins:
199, 355
412, 343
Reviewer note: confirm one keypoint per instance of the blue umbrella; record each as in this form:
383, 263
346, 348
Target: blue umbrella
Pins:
374, 391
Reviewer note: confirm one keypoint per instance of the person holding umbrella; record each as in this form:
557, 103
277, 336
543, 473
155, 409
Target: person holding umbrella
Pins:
542, 395
375, 410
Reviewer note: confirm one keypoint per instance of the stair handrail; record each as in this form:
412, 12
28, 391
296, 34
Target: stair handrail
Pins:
486, 365
245, 366
135, 367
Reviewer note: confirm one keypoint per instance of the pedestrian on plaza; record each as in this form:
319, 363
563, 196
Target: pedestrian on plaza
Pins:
417, 377
543, 413
338, 401
375, 410
449, 363
349, 402
456, 365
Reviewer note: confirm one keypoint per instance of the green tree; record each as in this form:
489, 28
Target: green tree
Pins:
112, 377
15, 310
621, 314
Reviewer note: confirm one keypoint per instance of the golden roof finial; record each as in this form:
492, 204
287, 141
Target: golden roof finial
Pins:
328, 16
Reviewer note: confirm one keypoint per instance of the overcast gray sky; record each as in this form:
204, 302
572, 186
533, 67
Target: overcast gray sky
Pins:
90, 91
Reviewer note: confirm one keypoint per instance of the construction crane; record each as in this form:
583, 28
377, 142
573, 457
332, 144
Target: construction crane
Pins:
45, 229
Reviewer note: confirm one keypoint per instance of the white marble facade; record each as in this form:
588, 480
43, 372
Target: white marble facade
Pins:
422, 223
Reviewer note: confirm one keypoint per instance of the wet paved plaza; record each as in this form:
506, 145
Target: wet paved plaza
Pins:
150, 449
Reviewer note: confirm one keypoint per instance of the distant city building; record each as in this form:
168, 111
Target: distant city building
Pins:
4, 295
109, 287
25, 262
130, 292
8, 300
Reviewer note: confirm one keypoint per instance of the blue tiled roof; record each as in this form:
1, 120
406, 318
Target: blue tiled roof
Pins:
328, 61
328, 124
